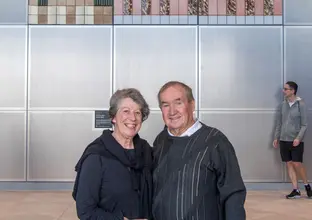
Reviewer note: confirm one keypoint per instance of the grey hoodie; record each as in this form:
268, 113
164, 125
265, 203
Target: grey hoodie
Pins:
291, 122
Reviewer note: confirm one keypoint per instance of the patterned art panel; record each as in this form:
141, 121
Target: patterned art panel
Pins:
198, 12
70, 12
192, 12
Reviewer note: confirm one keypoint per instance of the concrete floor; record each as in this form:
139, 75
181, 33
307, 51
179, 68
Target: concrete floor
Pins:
47, 205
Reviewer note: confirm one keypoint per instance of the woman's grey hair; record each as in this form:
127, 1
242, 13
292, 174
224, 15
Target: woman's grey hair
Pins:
132, 93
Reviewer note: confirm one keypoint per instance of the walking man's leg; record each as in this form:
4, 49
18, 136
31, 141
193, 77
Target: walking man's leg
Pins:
286, 155
297, 155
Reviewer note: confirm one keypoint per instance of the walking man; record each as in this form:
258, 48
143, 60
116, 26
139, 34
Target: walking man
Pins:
291, 126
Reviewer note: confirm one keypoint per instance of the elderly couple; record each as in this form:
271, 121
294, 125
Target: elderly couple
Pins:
190, 173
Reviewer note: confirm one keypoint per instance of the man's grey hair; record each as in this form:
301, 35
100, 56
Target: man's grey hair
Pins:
187, 89
132, 93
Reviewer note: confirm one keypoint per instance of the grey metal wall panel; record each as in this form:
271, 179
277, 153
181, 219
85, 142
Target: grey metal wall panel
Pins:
240, 67
12, 146
147, 57
56, 142
13, 67
251, 135
297, 12
13, 12
298, 59
308, 149
70, 67
152, 126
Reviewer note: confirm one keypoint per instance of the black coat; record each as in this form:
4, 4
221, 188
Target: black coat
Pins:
112, 182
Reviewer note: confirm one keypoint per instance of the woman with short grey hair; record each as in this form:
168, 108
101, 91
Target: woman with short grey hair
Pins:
133, 94
114, 179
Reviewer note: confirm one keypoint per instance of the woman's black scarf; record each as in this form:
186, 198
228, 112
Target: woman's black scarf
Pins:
139, 167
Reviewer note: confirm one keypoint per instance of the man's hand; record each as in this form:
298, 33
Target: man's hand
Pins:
275, 143
296, 142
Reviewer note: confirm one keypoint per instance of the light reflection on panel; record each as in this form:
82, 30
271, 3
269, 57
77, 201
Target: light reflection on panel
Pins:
152, 127
258, 160
70, 67
146, 58
298, 12
12, 146
241, 67
12, 66
308, 149
13, 11
56, 142
298, 60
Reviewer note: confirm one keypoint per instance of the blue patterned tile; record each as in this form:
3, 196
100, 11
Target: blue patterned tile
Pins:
164, 19
203, 19
127, 19
183, 19
118, 19
155, 19
174, 19
240, 20
268, 19
278, 19
231, 19
213, 19
259, 19
221, 19
250, 19
137, 19
192, 19
146, 19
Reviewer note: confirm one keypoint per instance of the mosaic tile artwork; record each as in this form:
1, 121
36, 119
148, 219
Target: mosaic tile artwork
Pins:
198, 12
70, 12
192, 12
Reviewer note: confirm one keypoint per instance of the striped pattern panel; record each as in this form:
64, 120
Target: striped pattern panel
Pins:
203, 12
199, 7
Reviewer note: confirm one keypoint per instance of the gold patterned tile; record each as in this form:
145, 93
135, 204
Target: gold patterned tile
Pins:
268, 7
192, 7
231, 7
80, 3
71, 10
203, 7
61, 2
89, 2
43, 10
108, 10
146, 6
164, 7
70, 19
70, 2
32, 2
52, 2
98, 10
42, 19
250, 7
108, 19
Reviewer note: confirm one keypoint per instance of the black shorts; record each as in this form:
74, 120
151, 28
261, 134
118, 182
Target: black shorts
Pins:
291, 153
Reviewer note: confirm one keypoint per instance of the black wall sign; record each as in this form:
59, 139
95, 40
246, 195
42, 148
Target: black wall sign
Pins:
102, 119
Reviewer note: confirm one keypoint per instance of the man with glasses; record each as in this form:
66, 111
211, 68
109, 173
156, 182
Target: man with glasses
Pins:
291, 126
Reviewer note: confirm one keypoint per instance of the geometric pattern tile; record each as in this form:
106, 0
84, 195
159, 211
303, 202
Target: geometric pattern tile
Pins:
202, 12
156, 12
70, 12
